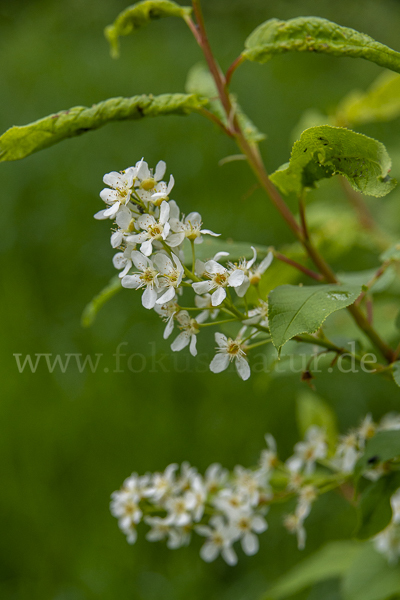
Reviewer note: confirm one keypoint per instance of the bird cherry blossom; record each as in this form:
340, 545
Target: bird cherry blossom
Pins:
230, 350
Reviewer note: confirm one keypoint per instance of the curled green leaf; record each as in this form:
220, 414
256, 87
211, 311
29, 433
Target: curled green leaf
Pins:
19, 142
139, 14
92, 308
313, 34
324, 151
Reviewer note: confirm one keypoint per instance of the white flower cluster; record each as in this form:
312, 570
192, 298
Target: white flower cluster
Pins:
388, 541
150, 233
227, 507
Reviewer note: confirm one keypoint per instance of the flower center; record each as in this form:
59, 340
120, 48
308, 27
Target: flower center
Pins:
148, 184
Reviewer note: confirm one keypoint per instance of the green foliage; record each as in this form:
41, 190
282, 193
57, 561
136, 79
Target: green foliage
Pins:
364, 277
396, 366
374, 509
199, 81
383, 446
393, 253
370, 577
294, 309
313, 34
19, 142
324, 151
92, 308
380, 103
138, 15
313, 410
331, 561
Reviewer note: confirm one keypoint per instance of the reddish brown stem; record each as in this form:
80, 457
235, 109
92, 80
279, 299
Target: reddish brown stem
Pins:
298, 266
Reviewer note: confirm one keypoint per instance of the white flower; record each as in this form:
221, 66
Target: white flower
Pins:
160, 528
307, 495
313, 448
205, 302
219, 279
215, 478
366, 430
258, 315
196, 497
245, 524
269, 457
251, 276
122, 260
179, 508
220, 540
124, 505
149, 186
389, 422
162, 484
148, 278
171, 275
231, 502
294, 524
347, 453
189, 227
190, 329
387, 542
227, 351
153, 230
167, 311
248, 483
120, 195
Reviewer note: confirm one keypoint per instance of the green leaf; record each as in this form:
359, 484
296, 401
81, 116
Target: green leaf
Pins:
136, 16
324, 151
313, 34
363, 277
380, 103
199, 81
374, 510
294, 309
333, 560
397, 321
392, 253
396, 366
19, 142
383, 446
90, 311
313, 410
370, 577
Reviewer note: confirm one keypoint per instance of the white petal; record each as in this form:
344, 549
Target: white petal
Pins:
192, 347
164, 212
213, 267
242, 289
116, 239
175, 239
112, 179
250, 544
173, 210
146, 248
229, 555
119, 260
218, 296
236, 278
181, 341
209, 552
220, 255
264, 264
110, 212
143, 171
163, 263
149, 298
171, 184
138, 238
202, 287
100, 216
131, 281
160, 170
167, 296
219, 363
221, 339
169, 328
242, 367
194, 218
209, 232
259, 524
251, 262
140, 261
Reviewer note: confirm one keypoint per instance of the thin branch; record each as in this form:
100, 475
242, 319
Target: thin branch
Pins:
296, 265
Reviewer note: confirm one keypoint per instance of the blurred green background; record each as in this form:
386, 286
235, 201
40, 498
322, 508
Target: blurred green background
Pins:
68, 440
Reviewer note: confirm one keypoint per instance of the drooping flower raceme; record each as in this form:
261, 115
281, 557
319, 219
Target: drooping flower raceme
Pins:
229, 509
156, 252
